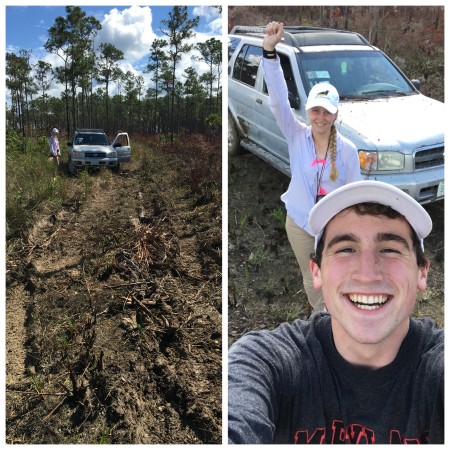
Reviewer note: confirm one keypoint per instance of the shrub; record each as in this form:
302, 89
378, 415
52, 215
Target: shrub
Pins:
30, 180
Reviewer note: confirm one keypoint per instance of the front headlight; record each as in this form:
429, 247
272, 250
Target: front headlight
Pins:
112, 155
77, 154
372, 160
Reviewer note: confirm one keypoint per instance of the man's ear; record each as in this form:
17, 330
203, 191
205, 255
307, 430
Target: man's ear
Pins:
316, 274
422, 276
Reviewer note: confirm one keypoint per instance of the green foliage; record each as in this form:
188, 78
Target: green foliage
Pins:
86, 182
279, 216
104, 437
214, 120
30, 181
15, 142
257, 258
163, 139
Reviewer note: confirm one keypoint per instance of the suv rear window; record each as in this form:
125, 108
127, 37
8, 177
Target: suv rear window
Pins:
247, 63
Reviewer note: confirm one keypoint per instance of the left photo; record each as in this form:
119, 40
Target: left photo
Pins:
113, 234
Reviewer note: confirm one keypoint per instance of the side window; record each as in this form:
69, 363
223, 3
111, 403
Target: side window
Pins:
288, 75
122, 139
247, 63
232, 44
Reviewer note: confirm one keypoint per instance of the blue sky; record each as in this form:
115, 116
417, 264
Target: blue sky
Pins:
130, 28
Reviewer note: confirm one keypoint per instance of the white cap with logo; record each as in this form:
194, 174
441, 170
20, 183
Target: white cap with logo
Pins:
325, 95
373, 192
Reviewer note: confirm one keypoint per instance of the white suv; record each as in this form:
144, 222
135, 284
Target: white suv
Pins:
399, 133
90, 148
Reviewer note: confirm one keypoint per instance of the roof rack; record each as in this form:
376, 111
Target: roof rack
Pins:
92, 130
259, 30
309, 35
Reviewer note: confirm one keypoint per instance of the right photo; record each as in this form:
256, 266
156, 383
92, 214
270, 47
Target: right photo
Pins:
336, 224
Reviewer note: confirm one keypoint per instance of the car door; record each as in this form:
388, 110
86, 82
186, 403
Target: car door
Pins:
122, 146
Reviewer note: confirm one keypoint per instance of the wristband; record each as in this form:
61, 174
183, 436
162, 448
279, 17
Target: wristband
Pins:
269, 54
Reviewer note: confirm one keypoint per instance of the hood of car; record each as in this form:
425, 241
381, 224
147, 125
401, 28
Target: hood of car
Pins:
395, 123
94, 148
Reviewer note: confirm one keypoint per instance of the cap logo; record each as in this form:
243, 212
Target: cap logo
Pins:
322, 94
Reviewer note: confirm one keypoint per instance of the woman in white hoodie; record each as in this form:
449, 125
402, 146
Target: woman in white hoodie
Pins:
55, 151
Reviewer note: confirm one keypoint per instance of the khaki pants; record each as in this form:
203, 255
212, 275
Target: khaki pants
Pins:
302, 244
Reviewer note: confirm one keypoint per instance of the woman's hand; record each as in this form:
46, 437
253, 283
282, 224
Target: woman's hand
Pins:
274, 34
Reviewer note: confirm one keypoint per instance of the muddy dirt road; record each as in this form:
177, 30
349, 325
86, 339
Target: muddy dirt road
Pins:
113, 313
265, 285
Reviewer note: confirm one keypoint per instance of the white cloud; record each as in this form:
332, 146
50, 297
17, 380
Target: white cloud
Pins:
212, 16
206, 11
216, 26
129, 30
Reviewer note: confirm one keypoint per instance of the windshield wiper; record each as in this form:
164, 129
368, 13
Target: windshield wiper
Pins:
386, 92
354, 97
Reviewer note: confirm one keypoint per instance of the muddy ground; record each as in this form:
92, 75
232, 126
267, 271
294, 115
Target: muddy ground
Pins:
265, 285
113, 311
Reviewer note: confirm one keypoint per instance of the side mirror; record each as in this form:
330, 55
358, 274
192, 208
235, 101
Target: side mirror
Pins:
417, 84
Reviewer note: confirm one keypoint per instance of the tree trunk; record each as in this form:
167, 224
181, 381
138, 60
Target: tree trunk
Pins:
373, 33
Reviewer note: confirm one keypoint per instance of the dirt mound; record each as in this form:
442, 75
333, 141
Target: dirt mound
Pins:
114, 316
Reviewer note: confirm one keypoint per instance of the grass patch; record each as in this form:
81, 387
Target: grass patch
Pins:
31, 182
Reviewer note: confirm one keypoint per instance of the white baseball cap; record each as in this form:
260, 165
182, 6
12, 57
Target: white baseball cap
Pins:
325, 95
55, 130
369, 191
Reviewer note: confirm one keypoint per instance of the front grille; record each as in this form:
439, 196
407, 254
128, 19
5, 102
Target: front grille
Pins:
95, 155
432, 157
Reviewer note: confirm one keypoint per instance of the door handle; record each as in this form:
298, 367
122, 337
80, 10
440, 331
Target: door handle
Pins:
258, 100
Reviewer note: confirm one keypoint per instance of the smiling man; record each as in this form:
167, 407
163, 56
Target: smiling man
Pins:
364, 371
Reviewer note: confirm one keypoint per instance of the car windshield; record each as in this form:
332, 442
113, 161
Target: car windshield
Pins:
91, 139
355, 74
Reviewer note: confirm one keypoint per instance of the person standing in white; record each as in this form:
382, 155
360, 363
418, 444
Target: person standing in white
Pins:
55, 151
321, 159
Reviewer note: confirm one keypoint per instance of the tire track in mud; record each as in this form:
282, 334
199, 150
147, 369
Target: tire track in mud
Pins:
122, 319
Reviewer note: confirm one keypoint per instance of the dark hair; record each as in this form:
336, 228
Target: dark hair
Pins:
376, 209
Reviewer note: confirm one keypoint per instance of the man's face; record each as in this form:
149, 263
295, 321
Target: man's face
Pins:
369, 277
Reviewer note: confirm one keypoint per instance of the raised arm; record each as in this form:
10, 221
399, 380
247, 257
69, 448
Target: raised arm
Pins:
276, 84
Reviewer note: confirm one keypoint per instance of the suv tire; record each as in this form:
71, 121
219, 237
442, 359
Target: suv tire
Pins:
234, 146
70, 167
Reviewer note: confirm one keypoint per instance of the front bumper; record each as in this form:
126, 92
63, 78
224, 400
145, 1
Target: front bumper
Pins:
424, 186
95, 162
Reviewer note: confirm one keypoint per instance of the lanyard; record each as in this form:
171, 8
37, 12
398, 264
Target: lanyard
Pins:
319, 178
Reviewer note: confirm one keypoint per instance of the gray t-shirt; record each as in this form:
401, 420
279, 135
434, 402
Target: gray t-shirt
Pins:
291, 386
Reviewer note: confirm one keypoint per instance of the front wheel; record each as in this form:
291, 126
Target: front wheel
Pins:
234, 145
70, 167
